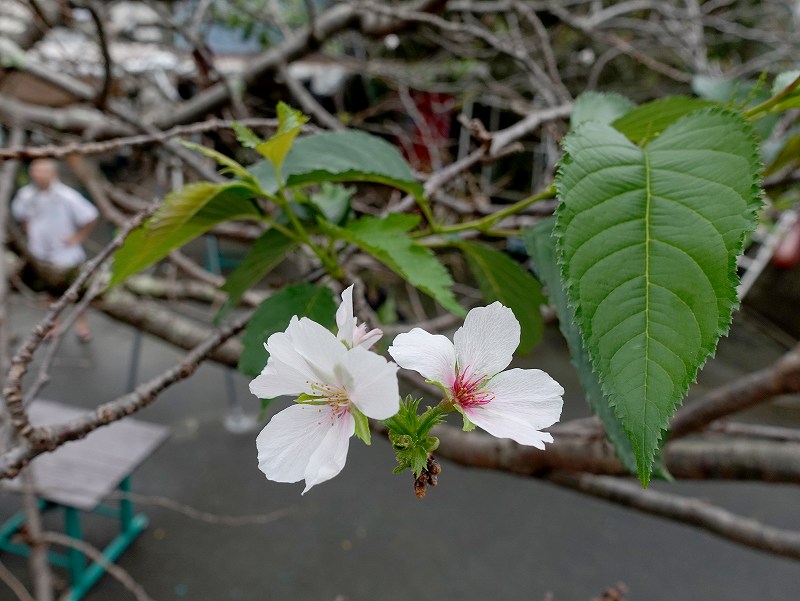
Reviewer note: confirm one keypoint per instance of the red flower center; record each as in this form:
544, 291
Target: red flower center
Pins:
468, 389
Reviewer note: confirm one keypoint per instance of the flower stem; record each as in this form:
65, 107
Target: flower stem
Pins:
301, 234
763, 109
485, 223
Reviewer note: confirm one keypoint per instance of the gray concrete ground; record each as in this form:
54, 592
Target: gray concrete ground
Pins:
479, 535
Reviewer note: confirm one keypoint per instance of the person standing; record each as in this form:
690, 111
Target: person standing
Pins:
57, 220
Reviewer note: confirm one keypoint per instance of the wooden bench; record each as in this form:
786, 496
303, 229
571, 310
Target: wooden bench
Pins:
78, 477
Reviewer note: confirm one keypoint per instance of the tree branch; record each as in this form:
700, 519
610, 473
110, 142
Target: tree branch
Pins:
694, 512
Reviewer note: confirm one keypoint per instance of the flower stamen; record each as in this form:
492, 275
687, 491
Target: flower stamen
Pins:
468, 390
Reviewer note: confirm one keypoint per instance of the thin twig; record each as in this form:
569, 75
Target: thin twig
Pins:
14, 584
97, 556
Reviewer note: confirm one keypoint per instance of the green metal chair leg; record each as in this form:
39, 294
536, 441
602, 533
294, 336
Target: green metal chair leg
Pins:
72, 528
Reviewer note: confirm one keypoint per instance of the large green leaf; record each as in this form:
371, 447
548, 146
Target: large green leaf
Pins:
648, 239
542, 248
345, 156
185, 214
503, 279
596, 106
388, 241
647, 121
273, 315
265, 253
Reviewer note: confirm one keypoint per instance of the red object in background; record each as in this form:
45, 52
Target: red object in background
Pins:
436, 111
787, 253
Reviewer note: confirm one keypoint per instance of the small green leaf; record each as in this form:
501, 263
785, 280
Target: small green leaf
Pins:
342, 156
419, 461
648, 240
647, 121
409, 435
333, 201
388, 241
503, 279
275, 149
362, 424
468, 425
264, 255
185, 214
246, 136
273, 315
602, 108
230, 166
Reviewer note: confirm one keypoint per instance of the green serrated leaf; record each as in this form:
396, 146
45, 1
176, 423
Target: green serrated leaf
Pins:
246, 136
388, 241
503, 279
342, 156
542, 248
648, 239
419, 461
273, 315
275, 149
264, 255
647, 121
185, 214
599, 107
362, 424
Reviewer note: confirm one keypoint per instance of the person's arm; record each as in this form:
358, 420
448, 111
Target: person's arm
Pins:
19, 209
81, 235
84, 215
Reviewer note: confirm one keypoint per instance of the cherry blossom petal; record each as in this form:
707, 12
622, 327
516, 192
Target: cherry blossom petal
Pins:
371, 383
432, 355
525, 401
329, 457
344, 317
486, 342
361, 337
316, 345
288, 441
279, 379
280, 347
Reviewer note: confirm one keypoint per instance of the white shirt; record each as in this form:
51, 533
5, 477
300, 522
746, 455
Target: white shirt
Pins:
52, 216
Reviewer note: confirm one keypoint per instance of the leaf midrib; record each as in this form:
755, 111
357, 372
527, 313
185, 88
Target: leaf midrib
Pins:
648, 201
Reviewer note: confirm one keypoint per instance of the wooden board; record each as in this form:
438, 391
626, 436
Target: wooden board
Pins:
83, 472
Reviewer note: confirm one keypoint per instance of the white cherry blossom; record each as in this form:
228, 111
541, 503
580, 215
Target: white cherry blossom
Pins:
516, 404
309, 440
350, 332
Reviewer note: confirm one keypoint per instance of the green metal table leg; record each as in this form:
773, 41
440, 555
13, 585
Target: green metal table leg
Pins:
111, 553
72, 528
125, 505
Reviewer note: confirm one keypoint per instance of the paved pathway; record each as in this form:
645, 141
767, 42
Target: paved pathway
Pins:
364, 535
